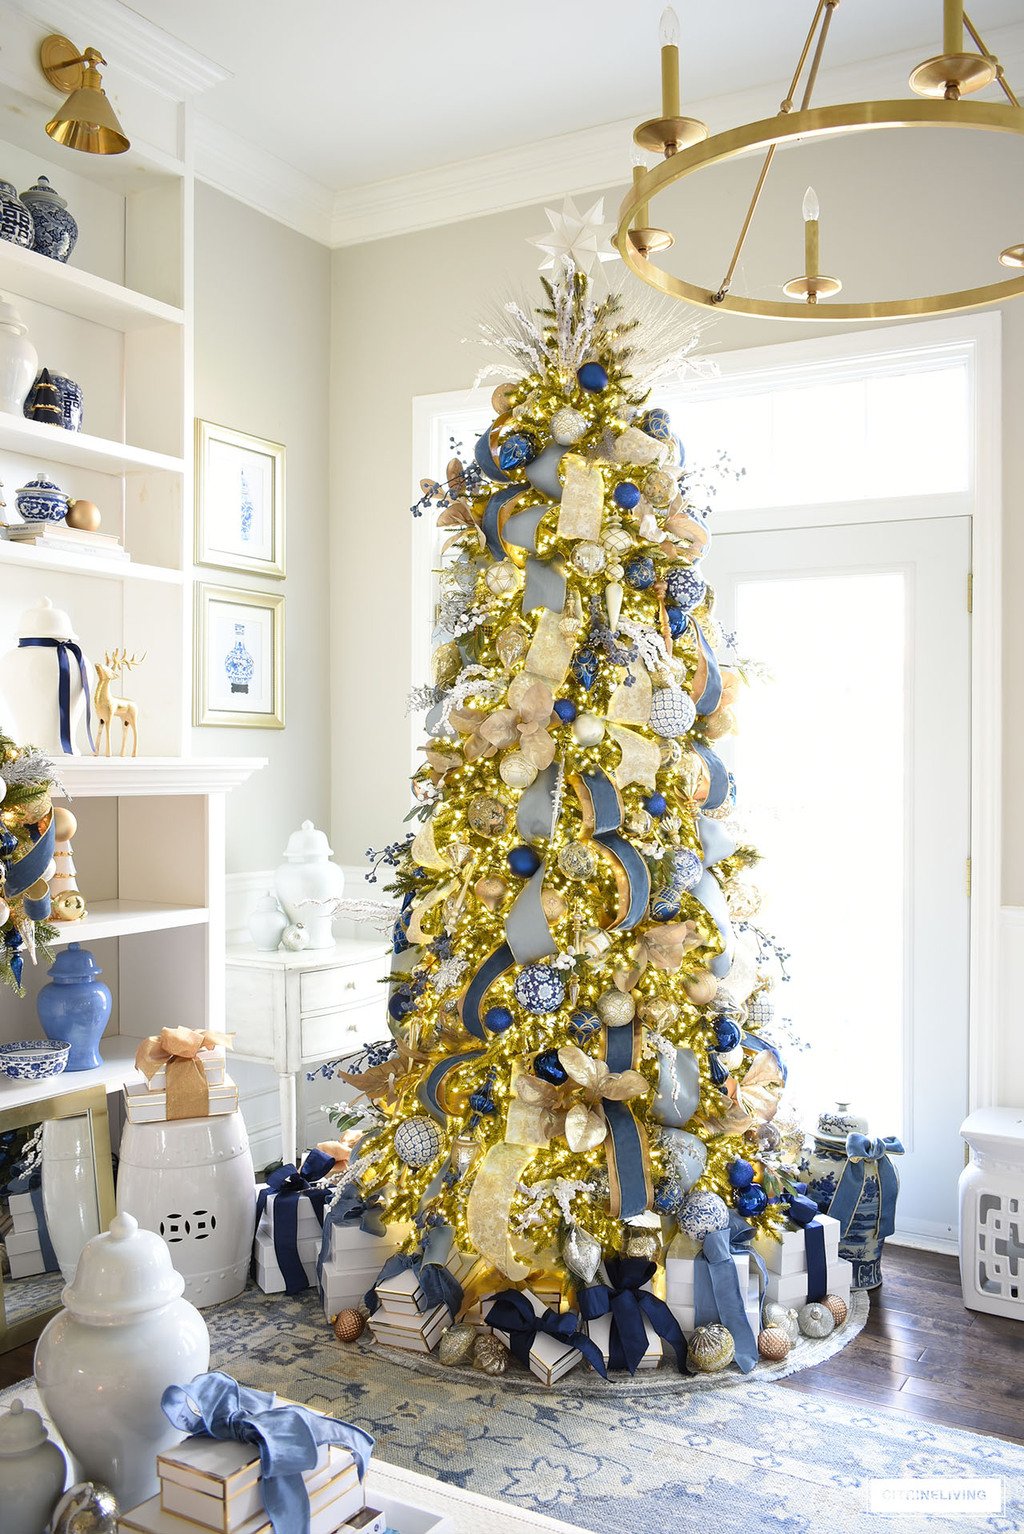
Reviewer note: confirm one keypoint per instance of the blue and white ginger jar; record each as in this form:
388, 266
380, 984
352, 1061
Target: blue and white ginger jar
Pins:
41, 501
16, 222
55, 229
822, 1167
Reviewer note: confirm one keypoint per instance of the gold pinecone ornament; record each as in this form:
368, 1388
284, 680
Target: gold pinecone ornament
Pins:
490, 1355
349, 1325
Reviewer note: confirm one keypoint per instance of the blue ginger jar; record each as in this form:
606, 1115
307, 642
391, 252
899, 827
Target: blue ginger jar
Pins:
75, 1006
238, 663
55, 229
16, 222
859, 1190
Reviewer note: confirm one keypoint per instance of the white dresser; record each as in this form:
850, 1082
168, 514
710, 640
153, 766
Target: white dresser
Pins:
294, 1010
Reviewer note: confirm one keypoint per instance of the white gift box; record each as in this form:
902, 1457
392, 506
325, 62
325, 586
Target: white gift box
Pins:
306, 1222
789, 1254
600, 1333
404, 1292
685, 1310
348, 1237
217, 1484
344, 1288
268, 1270
679, 1277
145, 1107
25, 1254
23, 1212
214, 1069
791, 1290
368, 1520
550, 1359
418, 1333
330, 1508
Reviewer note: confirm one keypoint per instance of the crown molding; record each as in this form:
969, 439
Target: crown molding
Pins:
225, 160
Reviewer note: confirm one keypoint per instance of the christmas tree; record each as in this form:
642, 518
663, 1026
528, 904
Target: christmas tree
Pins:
577, 1067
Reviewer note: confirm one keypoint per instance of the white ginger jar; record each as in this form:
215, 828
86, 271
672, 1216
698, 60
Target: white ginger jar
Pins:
19, 359
309, 885
267, 923
32, 1471
30, 680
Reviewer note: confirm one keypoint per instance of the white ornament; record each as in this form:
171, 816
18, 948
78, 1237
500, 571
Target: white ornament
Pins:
568, 426
588, 729
295, 937
672, 712
582, 238
418, 1141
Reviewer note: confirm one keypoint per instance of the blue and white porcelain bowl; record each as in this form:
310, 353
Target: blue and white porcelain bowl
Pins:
41, 501
33, 1059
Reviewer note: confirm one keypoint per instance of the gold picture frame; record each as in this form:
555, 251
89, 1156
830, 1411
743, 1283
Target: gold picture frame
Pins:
90, 1102
239, 501
247, 692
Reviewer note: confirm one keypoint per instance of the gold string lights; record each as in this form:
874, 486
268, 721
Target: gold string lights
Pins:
686, 146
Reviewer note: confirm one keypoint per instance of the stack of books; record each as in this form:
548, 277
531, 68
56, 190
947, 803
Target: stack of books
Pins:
66, 540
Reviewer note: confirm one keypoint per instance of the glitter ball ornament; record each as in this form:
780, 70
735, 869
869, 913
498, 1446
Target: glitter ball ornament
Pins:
588, 558
655, 804
581, 1253
497, 1019
783, 1317
516, 770
566, 710
642, 1243
660, 488
487, 815
588, 729
686, 589
773, 1344
88, 1507
592, 377
837, 1306
616, 1008
501, 578
640, 573
418, 1141
490, 1355
626, 495
523, 861
816, 1320
539, 989
701, 1214
457, 1344
568, 426
348, 1325
740, 1173
577, 861
710, 1349
672, 711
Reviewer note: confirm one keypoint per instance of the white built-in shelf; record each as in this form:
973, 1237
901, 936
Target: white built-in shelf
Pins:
126, 918
29, 275
29, 556
121, 777
118, 1067
36, 439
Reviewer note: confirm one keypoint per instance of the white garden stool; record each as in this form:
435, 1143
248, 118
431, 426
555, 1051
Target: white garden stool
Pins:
192, 1181
992, 1212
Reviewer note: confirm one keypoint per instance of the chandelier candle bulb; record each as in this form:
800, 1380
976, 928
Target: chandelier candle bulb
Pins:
670, 91
811, 210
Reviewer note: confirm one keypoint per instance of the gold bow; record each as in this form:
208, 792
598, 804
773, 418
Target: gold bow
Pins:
523, 723
585, 1122
460, 516
755, 1099
176, 1049
664, 945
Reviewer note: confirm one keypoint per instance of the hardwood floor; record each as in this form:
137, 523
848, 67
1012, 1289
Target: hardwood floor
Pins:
921, 1353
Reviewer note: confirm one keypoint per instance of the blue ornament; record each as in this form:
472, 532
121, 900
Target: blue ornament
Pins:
592, 377
497, 1019
400, 931
539, 988
523, 861
549, 1068
583, 1026
481, 1102
685, 588
719, 1074
565, 708
751, 1201
727, 1033
584, 668
741, 1173
701, 1214
626, 495
655, 804
17, 967
399, 1005
656, 423
13, 939
640, 572
516, 451
8, 842
676, 621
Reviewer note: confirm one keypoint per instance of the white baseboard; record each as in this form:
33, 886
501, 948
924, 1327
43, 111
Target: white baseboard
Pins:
948, 1246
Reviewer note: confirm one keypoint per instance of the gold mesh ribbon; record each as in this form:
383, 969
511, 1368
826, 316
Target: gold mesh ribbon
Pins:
490, 1204
177, 1049
582, 504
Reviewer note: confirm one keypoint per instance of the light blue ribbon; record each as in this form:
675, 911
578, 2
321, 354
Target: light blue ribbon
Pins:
289, 1438
440, 1287
862, 1152
716, 1286
626, 1146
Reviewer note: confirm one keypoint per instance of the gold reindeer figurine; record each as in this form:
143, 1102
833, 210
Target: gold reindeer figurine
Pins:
108, 707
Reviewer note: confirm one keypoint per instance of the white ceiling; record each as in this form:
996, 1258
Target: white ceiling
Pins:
354, 93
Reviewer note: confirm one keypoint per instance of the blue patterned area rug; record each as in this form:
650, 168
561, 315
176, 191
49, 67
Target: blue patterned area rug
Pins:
628, 1458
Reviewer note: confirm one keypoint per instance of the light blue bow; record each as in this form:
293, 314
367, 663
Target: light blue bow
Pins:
862, 1153
289, 1438
440, 1287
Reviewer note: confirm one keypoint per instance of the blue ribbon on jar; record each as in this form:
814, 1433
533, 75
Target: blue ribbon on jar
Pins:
62, 646
864, 1154
32, 1184
716, 1286
350, 1208
630, 1305
289, 1438
290, 1184
438, 1285
513, 1314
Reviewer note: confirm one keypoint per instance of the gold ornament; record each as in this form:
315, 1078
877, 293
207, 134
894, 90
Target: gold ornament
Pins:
65, 824
671, 752
349, 1325
577, 861
5, 912
490, 1355
773, 1344
512, 644
568, 426
659, 1012
638, 822
552, 904
502, 578
447, 663
501, 399
616, 1008
660, 487
457, 1344
643, 1243
491, 891
88, 1507
617, 542
109, 706
588, 558
588, 730
838, 1307
701, 987
84, 515
69, 905
710, 1349
516, 770
595, 942
723, 722
487, 815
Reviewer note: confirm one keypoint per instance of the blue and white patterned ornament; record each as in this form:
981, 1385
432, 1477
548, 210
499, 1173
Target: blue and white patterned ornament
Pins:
626, 495
583, 1026
584, 668
684, 1157
418, 1141
656, 424
686, 871
539, 989
685, 587
592, 377
672, 712
516, 451
760, 1011
640, 573
701, 1214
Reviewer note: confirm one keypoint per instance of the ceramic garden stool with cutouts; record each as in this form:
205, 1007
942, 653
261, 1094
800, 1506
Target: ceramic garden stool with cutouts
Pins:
192, 1181
992, 1212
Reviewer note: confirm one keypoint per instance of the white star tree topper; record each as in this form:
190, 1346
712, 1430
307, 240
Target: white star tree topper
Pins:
582, 238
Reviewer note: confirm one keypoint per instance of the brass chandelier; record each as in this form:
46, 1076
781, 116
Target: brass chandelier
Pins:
686, 146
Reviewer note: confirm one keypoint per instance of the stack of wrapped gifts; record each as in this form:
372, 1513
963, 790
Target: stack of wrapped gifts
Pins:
549, 1342
185, 1078
415, 1298
681, 1284
29, 1250
805, 1261
290, 1208
355, 1246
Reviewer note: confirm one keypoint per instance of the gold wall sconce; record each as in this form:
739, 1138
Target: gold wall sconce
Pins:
86, 121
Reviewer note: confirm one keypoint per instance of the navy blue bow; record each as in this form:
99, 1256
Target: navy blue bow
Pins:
289, 1438
439, 1286
350, 1208
629, 1304
62, 646
512, 1313
291, 1184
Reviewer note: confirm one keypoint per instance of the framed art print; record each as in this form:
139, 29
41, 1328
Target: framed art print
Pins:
239, 649
239, 501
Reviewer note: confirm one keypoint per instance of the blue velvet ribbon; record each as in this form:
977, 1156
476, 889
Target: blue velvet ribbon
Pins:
62, 646
440, 1287
492, 516
289, 1438
717, 772
350, 1208
30, 869
602, 804
629, 1163
493, 967
716, 1286
711, 695
630, 1304
290, 1184
864, 1153
32, 1183
431, 1091
512, 1313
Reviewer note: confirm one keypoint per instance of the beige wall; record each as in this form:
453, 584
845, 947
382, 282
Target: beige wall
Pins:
262, 366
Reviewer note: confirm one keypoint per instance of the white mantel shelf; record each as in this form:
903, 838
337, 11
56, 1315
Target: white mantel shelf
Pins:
118, 1067
94, 777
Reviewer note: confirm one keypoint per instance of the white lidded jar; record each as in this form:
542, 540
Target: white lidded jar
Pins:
30, 680
18, 358
309, 885
104, 1362
32, 1471
267, 923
